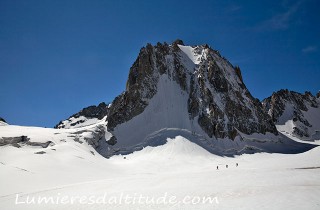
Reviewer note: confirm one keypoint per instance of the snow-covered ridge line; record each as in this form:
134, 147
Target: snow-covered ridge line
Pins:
87, 116
295, 114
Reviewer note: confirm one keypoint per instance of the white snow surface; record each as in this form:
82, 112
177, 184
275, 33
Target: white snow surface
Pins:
287, 128
3, 123
178, 168
190, 53
175, 167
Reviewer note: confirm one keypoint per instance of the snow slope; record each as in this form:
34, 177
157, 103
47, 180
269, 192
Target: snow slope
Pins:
168, 109
312, 115
178, 168
3, 123
191, 54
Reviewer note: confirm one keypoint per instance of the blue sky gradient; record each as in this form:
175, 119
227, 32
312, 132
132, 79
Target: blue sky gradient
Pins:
57, 57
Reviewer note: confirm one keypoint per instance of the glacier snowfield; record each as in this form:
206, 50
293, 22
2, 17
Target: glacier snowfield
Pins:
176, 175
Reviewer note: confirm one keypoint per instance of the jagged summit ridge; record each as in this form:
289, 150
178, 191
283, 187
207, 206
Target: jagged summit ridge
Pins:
216, 100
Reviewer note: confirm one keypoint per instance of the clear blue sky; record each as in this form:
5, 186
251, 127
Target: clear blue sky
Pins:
57, 57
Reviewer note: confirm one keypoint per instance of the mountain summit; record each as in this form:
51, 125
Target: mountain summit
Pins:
182, 90
186, 87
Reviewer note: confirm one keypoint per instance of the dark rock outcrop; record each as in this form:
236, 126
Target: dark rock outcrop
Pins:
22, 140
2, 120
141, 85
40, 153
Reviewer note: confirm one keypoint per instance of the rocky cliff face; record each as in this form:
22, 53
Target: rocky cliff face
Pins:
211, 89
299, 112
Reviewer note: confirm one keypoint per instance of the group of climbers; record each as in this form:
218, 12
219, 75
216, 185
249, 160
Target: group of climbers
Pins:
228, 166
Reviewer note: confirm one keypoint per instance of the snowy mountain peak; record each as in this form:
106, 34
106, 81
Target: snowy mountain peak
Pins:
176, 42
297, 113
185, 87
87, 116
